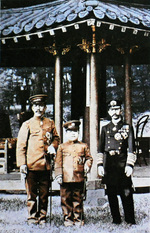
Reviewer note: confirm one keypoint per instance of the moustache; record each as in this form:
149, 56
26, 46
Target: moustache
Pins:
115, 114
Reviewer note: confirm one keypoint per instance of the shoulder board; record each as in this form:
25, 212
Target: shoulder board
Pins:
48, 119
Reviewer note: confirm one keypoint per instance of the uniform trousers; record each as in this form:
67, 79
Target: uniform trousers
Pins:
126, 195
37, 185
72, 203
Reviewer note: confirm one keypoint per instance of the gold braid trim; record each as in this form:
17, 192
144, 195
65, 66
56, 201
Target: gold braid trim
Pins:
131, 159
100, 157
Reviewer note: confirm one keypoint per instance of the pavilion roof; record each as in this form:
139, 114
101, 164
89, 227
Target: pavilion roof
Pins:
59, 14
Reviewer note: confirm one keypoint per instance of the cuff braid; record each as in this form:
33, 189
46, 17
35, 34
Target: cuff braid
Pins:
131, 159
100, 157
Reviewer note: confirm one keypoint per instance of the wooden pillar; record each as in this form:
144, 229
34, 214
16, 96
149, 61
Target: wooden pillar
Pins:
86, 130
57, 96
78, 90
94, 116
102, 106
128, 109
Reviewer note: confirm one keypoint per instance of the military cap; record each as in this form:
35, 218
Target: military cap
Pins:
72, 125
114, 104
39, 98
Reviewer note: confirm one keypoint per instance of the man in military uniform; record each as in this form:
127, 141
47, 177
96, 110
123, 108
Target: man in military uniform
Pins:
72, 160
116, 159
37, 141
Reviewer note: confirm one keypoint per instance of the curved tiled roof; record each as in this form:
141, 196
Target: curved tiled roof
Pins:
25, 20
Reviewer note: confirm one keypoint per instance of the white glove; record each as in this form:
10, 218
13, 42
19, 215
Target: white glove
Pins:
100, 170
86, 168
51, 150
128, 171
23, 169
23, 176
59, 179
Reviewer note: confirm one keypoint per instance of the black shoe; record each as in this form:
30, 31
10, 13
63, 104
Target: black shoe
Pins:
32, 221
131, 222
116, 222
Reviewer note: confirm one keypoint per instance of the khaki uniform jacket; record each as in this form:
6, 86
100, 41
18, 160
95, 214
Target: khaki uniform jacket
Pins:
34, 137
70, 160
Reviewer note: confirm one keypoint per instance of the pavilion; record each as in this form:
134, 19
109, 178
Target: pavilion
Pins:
86, 35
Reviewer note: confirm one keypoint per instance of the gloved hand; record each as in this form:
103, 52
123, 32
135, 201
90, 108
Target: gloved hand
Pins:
23, 169
51, 150
100, 170
128, 171
59, 179
86, 168
23, 177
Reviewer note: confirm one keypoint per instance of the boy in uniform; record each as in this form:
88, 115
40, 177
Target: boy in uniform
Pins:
72, 160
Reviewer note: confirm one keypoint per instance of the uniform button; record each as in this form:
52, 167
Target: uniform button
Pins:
120, 143
108, 136
108, 141
119, 148
108, 146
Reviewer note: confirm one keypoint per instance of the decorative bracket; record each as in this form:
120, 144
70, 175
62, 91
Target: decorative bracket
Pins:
93, 47
55, 50
131, 50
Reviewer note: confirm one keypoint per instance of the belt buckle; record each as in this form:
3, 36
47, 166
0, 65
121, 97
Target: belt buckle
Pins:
117, 152
112, 152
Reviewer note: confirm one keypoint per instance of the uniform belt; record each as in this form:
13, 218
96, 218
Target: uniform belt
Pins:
113, 152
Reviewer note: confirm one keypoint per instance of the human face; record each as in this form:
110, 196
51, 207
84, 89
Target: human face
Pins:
72, 135
115, 112
38, 109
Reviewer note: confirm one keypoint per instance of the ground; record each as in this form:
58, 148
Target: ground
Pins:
97, 215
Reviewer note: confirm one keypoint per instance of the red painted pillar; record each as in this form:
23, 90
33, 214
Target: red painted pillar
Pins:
128, 108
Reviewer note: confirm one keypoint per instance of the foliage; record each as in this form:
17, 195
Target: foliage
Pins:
17, 84
140, 83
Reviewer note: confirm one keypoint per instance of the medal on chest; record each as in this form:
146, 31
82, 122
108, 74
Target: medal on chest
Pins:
114, 129
48, 136
117, 136
122, 133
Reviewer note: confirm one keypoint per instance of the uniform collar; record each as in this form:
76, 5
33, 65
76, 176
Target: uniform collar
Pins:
73, 142
38, 118
118, 125
117, 122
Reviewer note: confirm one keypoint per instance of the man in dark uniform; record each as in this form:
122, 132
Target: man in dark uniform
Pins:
72, 160
116, 159
37, 141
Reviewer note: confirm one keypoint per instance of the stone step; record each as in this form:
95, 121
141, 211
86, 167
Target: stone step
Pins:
17, 185
12, 182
